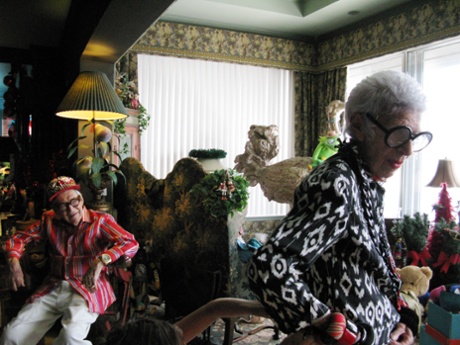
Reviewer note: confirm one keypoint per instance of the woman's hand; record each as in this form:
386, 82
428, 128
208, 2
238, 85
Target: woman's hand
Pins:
16, 274
402, 335
92, 275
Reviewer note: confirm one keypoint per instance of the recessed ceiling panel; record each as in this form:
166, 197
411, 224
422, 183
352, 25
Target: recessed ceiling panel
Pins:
300, 8
294, 19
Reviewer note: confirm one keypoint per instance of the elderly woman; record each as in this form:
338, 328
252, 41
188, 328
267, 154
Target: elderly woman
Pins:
327, 273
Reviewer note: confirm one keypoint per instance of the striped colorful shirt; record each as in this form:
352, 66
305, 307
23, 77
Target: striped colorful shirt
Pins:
71, 252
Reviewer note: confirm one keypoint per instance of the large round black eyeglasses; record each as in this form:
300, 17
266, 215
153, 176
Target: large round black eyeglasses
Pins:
398, 136
62, 207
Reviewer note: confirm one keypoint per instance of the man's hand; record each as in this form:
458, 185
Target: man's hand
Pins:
16, 274
92, 275
402, 335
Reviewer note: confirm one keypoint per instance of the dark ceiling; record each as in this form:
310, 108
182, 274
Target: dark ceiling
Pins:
100, 30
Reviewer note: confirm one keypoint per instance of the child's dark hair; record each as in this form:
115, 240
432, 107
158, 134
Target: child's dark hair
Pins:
145, 331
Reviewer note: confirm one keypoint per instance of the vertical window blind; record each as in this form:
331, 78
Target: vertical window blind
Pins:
197, 104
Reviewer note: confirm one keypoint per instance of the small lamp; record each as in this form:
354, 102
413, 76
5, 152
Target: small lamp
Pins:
444, 174
92, 98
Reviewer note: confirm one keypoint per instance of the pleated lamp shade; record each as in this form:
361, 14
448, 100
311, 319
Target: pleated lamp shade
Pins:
444, 174
92, 97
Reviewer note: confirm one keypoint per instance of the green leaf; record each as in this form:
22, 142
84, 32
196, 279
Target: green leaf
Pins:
98, 164
104, 148
112, 175
96, 179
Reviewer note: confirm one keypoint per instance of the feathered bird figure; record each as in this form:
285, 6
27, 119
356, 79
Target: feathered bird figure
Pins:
278, 181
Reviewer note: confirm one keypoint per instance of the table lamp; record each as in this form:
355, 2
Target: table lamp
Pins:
444, 174
444, 177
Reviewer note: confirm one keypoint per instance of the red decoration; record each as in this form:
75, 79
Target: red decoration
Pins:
419, 257
446, 260
223, 191
443, 210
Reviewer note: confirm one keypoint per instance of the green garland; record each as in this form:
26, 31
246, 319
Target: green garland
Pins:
413, 230
207, 153
217, 205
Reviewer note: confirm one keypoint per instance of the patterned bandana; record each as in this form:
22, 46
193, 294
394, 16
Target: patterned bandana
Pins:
60, 185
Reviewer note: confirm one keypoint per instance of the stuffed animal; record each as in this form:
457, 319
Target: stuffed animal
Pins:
328, 146
415, 283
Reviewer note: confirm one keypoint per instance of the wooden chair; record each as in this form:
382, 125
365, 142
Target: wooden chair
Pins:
117, 314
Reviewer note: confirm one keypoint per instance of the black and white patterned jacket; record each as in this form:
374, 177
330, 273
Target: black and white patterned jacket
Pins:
330, 252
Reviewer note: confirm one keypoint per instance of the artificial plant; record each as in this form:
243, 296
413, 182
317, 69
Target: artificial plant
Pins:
207, 153
414, 232
95, 170
450, 252
443, 211
443, 243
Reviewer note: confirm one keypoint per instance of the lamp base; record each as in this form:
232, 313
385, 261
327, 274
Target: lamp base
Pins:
100, 205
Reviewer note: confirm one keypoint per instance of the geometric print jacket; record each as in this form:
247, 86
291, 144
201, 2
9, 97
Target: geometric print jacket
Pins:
330, 252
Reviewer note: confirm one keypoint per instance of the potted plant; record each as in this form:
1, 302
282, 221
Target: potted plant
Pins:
413, 231
95, 170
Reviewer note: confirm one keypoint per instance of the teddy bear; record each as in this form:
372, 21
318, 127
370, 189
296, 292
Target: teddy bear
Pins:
415, 283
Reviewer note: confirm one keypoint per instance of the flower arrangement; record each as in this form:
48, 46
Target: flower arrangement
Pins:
127, 92
95, 170
222, 192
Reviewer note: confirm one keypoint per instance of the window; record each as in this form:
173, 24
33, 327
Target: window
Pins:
196, 104
437, 67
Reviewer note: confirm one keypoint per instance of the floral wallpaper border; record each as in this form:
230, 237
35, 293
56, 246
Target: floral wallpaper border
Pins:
415, 24
181, 40
428, 21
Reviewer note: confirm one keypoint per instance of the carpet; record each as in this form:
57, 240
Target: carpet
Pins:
253, 332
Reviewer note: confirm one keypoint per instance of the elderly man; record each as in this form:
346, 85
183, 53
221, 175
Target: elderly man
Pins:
81, 243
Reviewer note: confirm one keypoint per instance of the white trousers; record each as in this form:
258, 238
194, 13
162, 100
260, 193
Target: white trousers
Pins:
35, 319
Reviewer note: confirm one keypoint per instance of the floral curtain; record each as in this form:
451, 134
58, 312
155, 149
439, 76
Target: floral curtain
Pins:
313, 92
